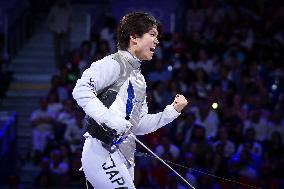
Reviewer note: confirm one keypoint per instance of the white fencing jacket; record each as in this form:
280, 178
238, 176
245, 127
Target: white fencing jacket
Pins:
101, 75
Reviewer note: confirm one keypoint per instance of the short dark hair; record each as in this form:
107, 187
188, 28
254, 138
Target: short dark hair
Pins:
135, 23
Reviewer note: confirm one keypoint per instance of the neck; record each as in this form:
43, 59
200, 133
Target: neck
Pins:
132, 52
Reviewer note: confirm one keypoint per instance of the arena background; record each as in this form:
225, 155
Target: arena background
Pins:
226, 57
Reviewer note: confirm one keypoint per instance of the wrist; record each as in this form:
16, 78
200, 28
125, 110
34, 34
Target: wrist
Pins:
174, 109
178, 109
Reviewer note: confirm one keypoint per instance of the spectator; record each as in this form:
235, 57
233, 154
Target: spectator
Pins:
161, 97
276, 125
59, 22
107, 33
64, 119
204, 62
42, 121
86, 56
227, 145
189, 174
189, 124
75, 130
44, 177
209, 120
250, 144
53, 103
167, 146
160, 73
57, 86
273, 151
58, 168
259, 123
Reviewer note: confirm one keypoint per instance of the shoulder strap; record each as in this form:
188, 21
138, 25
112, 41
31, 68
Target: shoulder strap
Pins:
123, 74
125, 71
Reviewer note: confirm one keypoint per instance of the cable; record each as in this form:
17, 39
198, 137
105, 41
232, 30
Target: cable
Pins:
202, 172
156, 156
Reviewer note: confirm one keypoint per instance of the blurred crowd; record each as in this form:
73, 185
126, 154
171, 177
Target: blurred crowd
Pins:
227, 61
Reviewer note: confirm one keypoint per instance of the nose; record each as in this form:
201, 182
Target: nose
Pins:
156, 41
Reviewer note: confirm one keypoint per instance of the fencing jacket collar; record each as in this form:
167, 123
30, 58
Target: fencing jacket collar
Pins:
131, 59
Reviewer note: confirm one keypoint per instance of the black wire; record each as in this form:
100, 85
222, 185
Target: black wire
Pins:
140, 154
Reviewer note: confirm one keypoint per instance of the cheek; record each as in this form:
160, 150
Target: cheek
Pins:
146, 42
143, 47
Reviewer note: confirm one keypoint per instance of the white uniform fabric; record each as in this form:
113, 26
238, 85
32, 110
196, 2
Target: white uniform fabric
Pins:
95, 158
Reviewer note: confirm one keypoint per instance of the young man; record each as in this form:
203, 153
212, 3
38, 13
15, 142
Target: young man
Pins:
112, 93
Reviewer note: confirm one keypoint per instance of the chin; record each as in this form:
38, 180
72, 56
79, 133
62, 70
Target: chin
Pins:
150, 57
147, 58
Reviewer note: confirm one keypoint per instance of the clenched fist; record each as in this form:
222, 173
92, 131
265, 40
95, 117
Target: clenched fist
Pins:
179, 103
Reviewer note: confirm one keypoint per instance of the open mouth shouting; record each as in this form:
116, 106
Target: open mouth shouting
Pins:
152, 50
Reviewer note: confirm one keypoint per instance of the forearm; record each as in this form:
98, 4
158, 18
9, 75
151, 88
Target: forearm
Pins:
151, 122
94, 79
91, 105
94, 108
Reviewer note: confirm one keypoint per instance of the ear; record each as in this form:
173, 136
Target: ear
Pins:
133, 38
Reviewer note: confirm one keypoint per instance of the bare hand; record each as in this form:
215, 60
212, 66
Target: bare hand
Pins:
179, 103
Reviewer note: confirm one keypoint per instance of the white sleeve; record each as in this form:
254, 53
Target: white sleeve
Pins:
100, 75
151, 122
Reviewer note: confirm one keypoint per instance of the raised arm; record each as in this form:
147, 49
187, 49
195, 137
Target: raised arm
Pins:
151, 122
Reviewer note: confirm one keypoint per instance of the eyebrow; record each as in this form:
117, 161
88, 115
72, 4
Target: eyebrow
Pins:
153, 31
